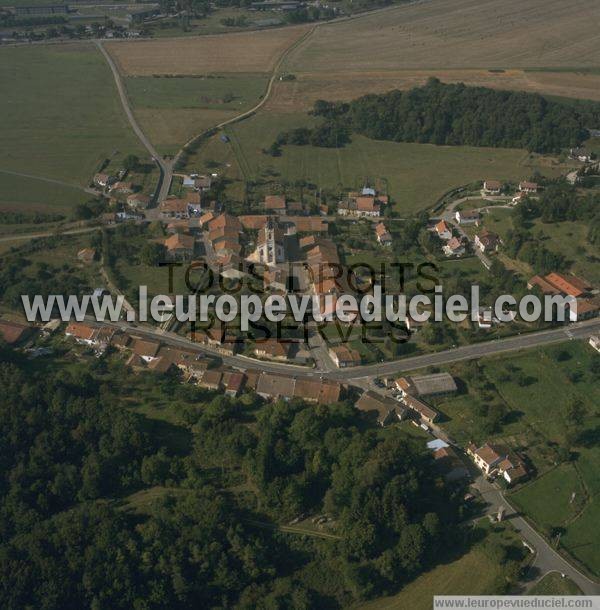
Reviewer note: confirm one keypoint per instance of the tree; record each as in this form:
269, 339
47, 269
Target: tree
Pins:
152, 253
131, 162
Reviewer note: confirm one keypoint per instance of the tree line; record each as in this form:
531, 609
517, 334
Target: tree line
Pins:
456, 115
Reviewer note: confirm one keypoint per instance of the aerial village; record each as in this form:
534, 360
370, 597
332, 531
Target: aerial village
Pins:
296, 251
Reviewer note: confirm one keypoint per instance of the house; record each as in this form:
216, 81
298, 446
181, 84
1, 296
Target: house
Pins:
180, 246
541, 283
454, 247
384, 409
233, 383
383, 236
81, 332
296, 208
492, 187
103, 180
467, 217
174, 208
486, 241
528, 187
595, 342
320, 391
569, 284
494, 459
206, 218
272, 350
200, 183
275, 386
162, 365
86, 255
146, 349
344, 357
224, 342
443, 230
580, 154
13, 332
138, 201
362, 205
429, 414
436, 384
122, 187
211, 379
586, 309
275, 204
519, 197
310, 224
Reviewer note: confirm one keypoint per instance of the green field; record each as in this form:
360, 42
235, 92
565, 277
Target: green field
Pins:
566, 238
415, 175
535, 388
60, 117
173, 110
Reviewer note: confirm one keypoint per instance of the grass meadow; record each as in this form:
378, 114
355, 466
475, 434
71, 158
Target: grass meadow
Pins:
534, 388
173, 110
60, 117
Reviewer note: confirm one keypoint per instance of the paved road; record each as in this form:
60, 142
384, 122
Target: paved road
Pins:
165, 167
547, 559
580, 330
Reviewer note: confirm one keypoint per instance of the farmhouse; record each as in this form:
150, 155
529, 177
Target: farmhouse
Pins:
580, 154
147, 350
344, 357
386, 410
528, 187
234, 383
362, 205
272, 349
321, 391
493, 459
275, 204
180, 246
429, 414
492, 187
568, 284
383, 235
487, 241
103, 180
86, 255
467, 217
211, 379
174, 208
454, 247
443, 230
437, 384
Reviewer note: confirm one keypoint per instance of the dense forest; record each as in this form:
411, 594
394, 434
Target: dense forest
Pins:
73, 451
454, 114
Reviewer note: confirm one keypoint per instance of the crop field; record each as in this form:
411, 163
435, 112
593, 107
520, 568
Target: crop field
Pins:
239, 52
60, 117
172, 110
457, 34
300, 94
416, 174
